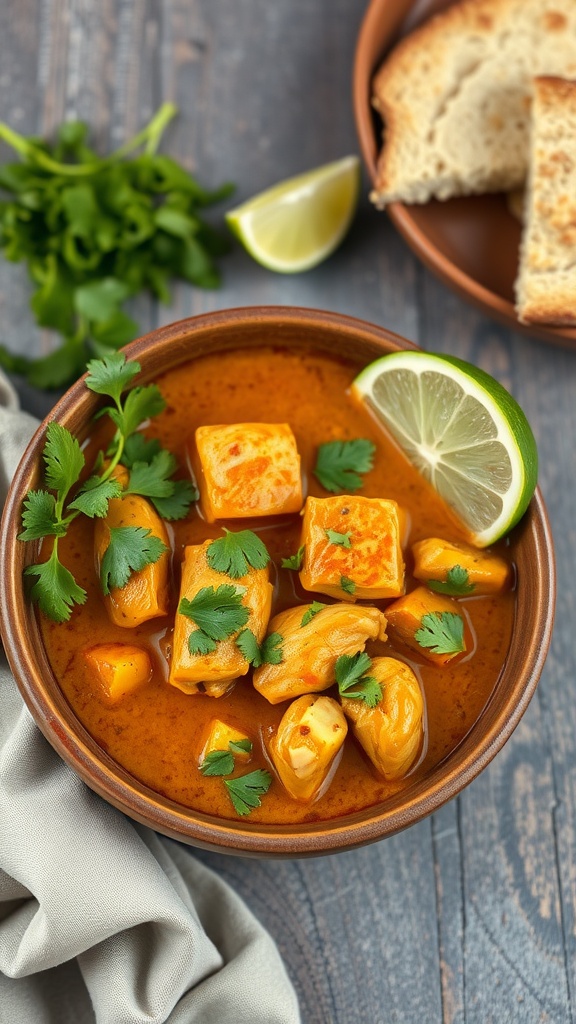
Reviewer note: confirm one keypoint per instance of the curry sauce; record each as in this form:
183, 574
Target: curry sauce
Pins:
155, 732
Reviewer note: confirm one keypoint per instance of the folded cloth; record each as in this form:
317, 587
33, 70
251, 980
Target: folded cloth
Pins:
101, 919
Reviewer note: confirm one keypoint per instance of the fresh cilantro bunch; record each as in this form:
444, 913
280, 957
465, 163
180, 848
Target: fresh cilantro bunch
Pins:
94, 231
49, 512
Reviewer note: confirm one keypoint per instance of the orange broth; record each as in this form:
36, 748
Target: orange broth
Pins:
154, 733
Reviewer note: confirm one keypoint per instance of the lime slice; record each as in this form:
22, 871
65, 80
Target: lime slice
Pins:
462, 431
299, 222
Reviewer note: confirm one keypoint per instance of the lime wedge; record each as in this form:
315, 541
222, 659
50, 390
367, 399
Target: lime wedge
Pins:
296, 224
462, 430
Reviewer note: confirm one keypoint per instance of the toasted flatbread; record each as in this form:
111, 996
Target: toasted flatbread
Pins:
546, 283
455, 97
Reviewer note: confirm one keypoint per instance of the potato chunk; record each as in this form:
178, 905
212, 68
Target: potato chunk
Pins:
310, 735
212, 673
355, 538
405, 619
390, 733
145, 595
247, 469
434, 558
119, 668
217, 735
310, 652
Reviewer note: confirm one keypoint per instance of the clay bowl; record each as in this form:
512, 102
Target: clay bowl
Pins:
470, 243
531, 548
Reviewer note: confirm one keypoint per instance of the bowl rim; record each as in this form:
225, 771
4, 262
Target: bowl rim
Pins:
58, 722
450, 273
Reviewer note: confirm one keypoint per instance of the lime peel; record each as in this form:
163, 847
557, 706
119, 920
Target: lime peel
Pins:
299, 222
487, 477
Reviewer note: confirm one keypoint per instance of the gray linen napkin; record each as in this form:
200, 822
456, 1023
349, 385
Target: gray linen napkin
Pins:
101, 919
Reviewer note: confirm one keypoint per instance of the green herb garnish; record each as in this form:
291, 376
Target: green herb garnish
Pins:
234, 553
310, 612
47, 514
94, 231
240, 746
218, 762
350, 671
269, 652
245, 792
456, 583
294, 561
347, 585
340, 463
441, 632
218, 612
342, 539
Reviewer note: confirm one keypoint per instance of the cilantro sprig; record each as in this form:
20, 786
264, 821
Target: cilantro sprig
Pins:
245, 791
294, 561
310, 612
269, 652
441, 632
218, 613
456, 584
234, 553
95, 231
221, 762
339, 464
350, 671
49, 512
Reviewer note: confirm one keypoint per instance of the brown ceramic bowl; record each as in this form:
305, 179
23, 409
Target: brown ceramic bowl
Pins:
531, 548
471, 243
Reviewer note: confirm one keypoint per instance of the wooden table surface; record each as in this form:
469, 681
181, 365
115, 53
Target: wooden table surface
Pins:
471, 915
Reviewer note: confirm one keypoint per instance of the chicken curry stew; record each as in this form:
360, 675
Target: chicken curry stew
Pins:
251, 600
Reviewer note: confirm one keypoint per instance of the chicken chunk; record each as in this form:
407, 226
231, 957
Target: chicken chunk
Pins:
434, 558
119, 668
145, 595
352, 547
214, 672
405, 620
390, 733
304, 749
217, 735
310, 651
247, 469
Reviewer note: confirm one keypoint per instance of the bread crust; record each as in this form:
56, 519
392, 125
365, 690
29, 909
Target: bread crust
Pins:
546, 283
455, 97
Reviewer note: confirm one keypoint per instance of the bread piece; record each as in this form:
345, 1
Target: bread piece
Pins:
455, 97
546, 283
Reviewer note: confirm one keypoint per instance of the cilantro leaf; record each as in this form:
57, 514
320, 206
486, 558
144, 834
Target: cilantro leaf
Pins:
218, 612
233, 553
111, 375
340, 463
310, 612
456, 583
217, 762
63, 459
294, 561
139, 448
55, 590
240, 746
442, 632
39, 517
352, 682
93, 499
245, 792
269, 652
342, 539
200, 643
141, 403
347, 585
131, 549
150, 478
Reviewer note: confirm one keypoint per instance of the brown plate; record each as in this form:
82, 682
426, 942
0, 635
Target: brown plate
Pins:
471, 243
